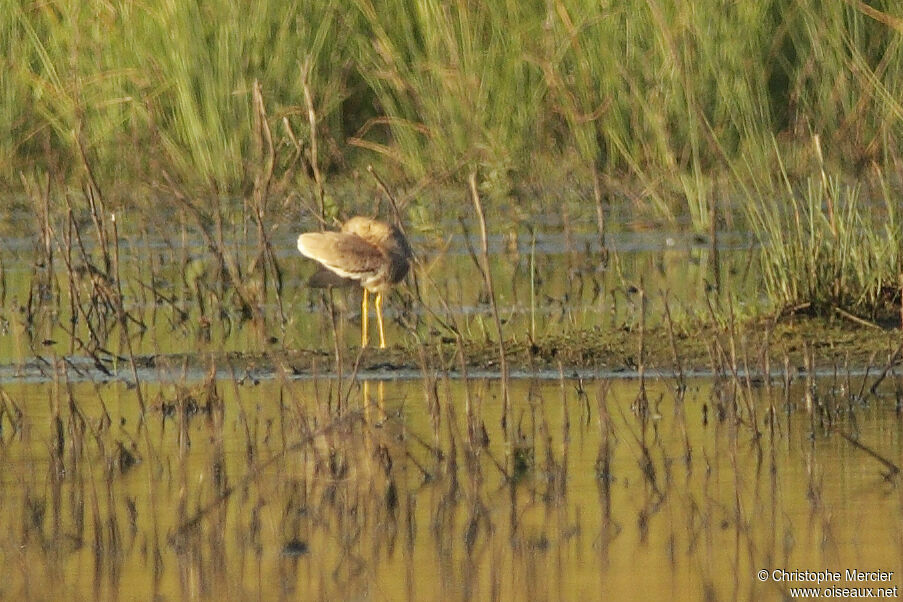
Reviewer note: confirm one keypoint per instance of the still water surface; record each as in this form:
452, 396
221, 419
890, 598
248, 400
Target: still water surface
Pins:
265, 491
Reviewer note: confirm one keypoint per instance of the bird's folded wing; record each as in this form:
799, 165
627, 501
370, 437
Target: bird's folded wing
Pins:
348, 255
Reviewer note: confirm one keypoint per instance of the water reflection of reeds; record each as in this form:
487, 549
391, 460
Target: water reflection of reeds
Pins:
236, 488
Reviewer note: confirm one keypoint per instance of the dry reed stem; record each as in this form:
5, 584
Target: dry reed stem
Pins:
599, 198
675, 356
260, 195
214, 241
714, 251
892, 469
314, 144
487, 277
123, 321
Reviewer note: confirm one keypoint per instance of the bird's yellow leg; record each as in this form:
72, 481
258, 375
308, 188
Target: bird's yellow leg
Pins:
379, 320
365, 301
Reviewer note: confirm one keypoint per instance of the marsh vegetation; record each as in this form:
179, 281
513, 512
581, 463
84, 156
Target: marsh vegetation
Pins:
652, 325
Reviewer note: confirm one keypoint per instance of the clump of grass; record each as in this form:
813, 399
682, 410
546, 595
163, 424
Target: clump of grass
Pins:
174, 80
199, 96
826, 248
456, 84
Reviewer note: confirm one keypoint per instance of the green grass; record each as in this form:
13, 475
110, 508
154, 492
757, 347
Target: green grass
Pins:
457, 84
666, 94
827, 247
164, 85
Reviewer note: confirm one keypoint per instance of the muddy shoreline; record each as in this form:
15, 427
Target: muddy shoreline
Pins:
753, 347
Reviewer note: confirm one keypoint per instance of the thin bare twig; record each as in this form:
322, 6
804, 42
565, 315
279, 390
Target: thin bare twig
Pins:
487, 275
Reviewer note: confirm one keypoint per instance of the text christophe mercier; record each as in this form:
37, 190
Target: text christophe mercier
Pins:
780, 575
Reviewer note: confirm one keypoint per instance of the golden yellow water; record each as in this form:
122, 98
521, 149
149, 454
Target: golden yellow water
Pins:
294, 490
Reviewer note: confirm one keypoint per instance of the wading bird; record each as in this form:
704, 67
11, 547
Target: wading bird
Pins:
372, 253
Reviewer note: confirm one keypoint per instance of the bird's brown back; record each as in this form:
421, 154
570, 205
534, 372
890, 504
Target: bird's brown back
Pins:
369, 251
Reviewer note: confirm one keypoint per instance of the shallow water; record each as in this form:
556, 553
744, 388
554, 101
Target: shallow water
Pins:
550, 282
273, 491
